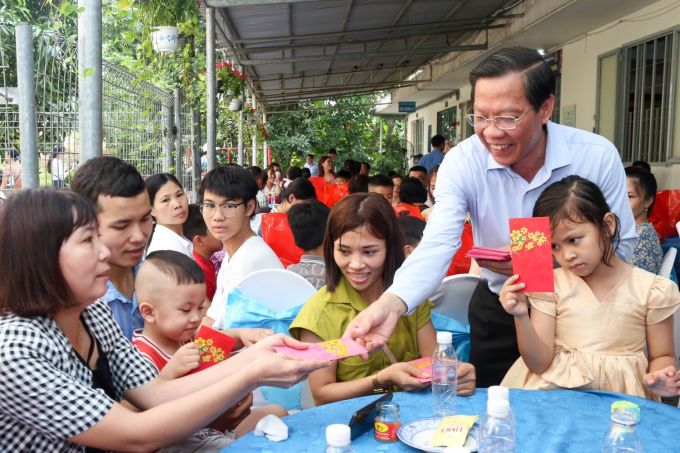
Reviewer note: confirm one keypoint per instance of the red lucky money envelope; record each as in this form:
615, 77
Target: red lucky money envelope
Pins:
326, 350
531, 250
214, 347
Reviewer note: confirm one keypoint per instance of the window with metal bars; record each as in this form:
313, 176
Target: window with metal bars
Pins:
645, 115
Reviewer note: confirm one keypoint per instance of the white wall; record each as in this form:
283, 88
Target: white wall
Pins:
579, 70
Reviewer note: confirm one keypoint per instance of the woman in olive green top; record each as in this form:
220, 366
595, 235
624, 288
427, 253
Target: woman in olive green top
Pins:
363, 248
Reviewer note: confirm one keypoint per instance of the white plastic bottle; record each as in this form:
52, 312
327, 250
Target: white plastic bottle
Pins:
501, 393
497, 434
338, 439
444, 376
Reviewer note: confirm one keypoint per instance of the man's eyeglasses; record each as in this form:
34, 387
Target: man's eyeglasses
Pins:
227, 209
503, 122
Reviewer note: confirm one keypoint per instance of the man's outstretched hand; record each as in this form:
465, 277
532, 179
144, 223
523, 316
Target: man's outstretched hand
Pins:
374, 325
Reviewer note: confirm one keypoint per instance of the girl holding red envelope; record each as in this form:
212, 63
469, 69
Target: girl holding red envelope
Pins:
592, 332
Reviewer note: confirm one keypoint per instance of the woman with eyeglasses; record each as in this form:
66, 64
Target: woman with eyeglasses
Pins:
169, 208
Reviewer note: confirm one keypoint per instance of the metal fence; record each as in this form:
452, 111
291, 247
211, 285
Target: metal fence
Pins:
139, 122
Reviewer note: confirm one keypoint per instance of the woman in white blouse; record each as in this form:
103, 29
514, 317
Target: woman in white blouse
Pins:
169, 208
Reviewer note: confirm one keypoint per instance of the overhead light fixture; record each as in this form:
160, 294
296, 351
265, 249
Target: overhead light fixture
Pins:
541, 51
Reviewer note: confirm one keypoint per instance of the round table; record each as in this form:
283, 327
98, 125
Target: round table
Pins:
547, 421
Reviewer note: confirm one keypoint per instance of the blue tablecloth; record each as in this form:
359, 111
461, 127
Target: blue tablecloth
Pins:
547, 421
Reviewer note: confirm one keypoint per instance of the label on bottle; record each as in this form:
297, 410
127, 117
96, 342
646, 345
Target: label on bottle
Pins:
385, 432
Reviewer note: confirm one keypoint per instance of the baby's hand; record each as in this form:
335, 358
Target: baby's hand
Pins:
513, 302
184, 360
665, 382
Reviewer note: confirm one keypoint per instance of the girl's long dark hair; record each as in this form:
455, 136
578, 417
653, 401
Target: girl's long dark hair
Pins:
579, 200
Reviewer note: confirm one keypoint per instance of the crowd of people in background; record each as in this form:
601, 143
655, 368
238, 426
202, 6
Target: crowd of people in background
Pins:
97, 346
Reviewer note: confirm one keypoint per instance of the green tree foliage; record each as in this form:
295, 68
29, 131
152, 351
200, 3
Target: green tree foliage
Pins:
346, 124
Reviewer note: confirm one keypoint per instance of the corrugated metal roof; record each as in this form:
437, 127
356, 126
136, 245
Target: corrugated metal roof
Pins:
306, 49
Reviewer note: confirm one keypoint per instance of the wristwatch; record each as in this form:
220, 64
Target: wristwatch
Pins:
378, 387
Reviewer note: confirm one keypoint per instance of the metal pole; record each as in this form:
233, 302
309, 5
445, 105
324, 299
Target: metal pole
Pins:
240, 131
169, 135
178, 136
196, 153
253, 154
211, 127
264, 145
253, 160
90, 78
28, 126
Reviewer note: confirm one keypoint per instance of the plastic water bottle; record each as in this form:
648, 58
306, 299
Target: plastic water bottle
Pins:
498, 392
622, 437
444, 376
338, 439
497, 434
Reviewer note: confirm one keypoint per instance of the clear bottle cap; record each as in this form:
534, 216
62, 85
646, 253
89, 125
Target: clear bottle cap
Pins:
444, 337
498, 408
338, 435
498, 392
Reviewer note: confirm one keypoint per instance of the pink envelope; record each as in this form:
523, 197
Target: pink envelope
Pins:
425, 364
485, 253
326, 350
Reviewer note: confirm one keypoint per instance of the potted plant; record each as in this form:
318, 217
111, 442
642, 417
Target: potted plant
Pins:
161, 17
230, 83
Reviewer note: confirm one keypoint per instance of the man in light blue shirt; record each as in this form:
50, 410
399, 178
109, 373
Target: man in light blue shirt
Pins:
313, 166
436, 154
498, 174
124, 309
124, 212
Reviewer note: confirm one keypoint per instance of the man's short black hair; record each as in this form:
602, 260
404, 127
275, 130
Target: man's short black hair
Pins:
642, 164
380, 181
229, 181
293, 172
419, 168
177, 266
308, 223
358, 184
343, 174
107, 176
352, 166
412, 228
412, 191
255, 171
195, 224
539, 79
437, 141
301, 188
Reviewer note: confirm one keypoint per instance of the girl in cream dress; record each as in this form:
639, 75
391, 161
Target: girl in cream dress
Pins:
592, 331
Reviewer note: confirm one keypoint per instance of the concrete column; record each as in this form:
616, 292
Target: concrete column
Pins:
90, 79
28, 126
